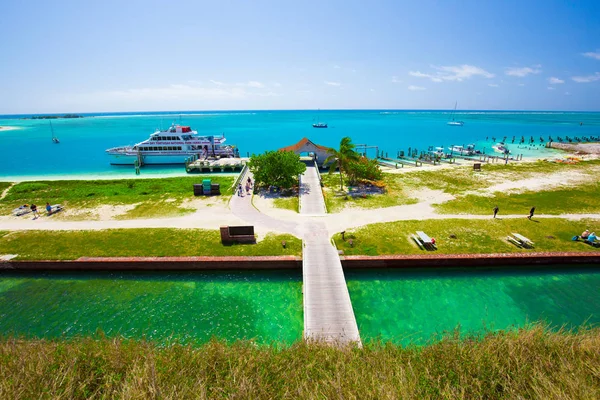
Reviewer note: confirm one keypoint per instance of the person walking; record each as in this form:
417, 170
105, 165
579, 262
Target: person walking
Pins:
240, 193
34, 211
495, 211
531, 212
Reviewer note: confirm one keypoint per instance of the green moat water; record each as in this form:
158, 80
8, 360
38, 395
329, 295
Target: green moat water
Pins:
415, 306
185, 306
401, 306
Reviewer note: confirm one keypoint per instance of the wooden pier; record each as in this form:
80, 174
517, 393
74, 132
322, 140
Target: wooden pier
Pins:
215, 165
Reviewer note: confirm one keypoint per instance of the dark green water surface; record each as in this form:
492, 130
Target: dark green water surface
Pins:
186, 306
405, 306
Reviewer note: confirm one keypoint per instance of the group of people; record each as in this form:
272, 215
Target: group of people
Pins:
531, 212
248, 187
587, 236
34, 209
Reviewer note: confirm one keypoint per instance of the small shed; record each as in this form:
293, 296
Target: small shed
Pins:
306, 146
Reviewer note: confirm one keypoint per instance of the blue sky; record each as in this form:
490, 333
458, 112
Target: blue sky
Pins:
86, 56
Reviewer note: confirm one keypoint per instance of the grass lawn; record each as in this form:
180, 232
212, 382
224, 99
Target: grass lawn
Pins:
395, 195
70, 245
578, 199
151, 193
288, 203
477, 236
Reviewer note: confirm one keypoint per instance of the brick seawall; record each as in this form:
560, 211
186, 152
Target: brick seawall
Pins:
292, 262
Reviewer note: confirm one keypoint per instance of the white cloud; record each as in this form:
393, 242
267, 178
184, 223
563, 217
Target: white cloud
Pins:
492, 84
551, 88
521, 72
416, 88
592, 54
253, 84
587, 79
333, 83
453, 73
189, 92
555, 81
396, 80
276, 84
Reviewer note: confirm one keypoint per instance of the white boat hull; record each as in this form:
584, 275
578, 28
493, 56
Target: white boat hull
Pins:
154, 159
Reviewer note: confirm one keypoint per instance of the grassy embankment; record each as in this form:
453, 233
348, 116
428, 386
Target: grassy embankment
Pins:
528, 363
159, 197
70, 245
462, 181
462, 236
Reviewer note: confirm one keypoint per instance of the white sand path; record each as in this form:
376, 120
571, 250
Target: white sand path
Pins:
213, 218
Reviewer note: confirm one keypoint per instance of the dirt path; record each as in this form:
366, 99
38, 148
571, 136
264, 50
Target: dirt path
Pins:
5, 192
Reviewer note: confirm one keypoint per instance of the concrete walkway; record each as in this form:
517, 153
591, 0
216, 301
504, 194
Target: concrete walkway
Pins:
312, 202
241, 207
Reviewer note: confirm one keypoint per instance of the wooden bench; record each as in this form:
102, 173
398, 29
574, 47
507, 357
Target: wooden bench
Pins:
426, 241
237, 234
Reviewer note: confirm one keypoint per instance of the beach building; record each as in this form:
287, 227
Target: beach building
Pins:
307, 147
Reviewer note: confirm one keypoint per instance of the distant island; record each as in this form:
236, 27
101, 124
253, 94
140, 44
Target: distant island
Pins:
55, 116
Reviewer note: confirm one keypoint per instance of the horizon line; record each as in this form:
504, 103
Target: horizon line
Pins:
298, 109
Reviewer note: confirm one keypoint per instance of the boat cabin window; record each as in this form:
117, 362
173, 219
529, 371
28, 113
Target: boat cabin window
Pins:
186, 137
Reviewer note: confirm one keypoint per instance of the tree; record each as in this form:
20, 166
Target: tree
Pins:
341, 158
277, 168
364, 169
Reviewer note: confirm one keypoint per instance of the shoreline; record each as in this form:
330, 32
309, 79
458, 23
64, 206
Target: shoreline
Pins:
158, 174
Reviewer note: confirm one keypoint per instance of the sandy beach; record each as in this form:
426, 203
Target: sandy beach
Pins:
9, 128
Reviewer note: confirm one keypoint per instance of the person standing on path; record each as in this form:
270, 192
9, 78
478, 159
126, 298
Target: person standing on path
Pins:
34, 211
240, 190
495, 211
531, 212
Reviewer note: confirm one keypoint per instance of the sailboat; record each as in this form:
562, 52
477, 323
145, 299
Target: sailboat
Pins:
54, 138
320, 124
453, 122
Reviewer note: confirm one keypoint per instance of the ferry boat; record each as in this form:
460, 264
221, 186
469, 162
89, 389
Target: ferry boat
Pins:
172, 146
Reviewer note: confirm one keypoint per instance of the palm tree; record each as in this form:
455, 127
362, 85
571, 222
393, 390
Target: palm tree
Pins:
340, 158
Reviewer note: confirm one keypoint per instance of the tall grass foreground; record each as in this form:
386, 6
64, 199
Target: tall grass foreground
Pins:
526, 363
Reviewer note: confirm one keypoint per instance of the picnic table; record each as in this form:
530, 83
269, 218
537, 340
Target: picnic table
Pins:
424, 241
520, 240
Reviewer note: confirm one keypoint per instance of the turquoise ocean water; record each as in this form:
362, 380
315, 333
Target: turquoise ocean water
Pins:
29, 151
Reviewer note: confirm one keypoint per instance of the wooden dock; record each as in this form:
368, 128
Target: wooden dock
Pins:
216, 165
328, 313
